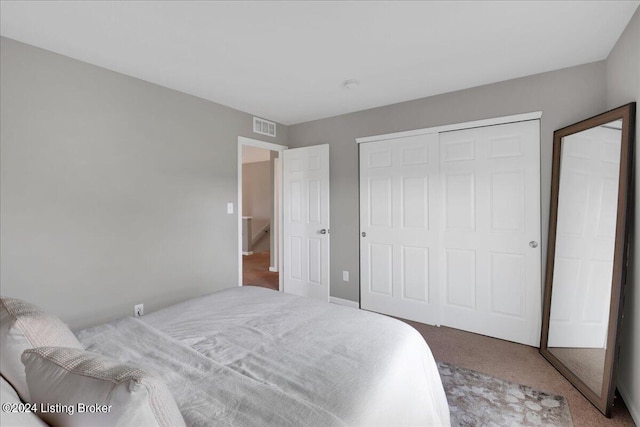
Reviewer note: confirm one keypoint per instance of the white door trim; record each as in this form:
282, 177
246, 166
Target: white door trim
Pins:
455, 126
260, 144
277, 225
268, 146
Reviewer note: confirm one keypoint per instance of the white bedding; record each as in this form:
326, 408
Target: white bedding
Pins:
254, 357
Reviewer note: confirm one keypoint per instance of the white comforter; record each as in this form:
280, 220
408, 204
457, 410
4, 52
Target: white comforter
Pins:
254, 357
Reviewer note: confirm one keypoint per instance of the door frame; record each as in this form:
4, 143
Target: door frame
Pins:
242, 141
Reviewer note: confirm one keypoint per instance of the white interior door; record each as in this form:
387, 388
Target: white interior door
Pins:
451, 225
306, 221
399, 239
585, 237
491, 231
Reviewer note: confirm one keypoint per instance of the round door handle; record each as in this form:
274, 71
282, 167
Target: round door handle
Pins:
323, 231
364, 234
533, 244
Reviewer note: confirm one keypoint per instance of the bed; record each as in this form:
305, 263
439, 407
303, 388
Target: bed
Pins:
251, 356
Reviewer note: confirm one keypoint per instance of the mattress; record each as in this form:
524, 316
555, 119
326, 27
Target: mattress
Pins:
251, 356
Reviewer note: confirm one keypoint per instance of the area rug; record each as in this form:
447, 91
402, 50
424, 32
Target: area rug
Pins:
477, 399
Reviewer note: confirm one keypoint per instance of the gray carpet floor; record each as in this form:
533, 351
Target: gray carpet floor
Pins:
477, 399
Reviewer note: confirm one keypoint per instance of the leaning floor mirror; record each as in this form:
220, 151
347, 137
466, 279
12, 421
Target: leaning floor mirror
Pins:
591, 202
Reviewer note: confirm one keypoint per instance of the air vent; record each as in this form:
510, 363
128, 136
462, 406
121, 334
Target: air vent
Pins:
264, 127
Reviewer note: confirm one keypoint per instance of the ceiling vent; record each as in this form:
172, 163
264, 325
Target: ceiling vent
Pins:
264, 127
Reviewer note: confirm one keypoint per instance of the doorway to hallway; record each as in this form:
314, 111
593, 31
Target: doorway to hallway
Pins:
259, 171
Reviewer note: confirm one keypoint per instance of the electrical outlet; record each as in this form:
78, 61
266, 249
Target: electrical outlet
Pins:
229, 208
345, 276
138, 310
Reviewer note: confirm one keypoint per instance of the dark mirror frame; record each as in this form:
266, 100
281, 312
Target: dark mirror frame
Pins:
627, 113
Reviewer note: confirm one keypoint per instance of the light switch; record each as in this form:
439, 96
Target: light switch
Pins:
229, 208
345, 276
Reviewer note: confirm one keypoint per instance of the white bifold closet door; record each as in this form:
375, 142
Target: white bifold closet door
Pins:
450, 229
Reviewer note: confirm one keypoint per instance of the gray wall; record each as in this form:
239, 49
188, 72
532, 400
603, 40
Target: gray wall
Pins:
113, 190
623, 86
257, 198
564, 97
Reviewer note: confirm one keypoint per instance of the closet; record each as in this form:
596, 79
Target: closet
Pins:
450, 228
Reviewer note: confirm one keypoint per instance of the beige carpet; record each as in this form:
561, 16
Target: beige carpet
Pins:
517, 363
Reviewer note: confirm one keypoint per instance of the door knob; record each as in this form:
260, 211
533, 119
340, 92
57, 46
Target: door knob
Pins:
364, 234
324, 231
533, 244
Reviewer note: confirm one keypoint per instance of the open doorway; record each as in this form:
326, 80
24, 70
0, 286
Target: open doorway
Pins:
259, 211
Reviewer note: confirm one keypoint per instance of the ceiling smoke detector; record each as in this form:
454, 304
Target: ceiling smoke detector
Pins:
350, 84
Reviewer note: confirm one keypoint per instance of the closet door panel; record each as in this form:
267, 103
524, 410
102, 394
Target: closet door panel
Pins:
506, 287
399, 187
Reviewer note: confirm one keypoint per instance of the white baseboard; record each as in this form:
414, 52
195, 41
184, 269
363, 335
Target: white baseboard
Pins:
631, 405
247, 253
273, 269
344, 302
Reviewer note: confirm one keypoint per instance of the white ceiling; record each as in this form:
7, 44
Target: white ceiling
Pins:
286, 61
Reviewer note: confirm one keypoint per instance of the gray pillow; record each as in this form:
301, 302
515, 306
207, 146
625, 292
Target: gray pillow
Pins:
23, 326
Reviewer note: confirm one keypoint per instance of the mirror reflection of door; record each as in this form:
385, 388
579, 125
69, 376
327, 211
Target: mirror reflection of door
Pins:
585, 238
